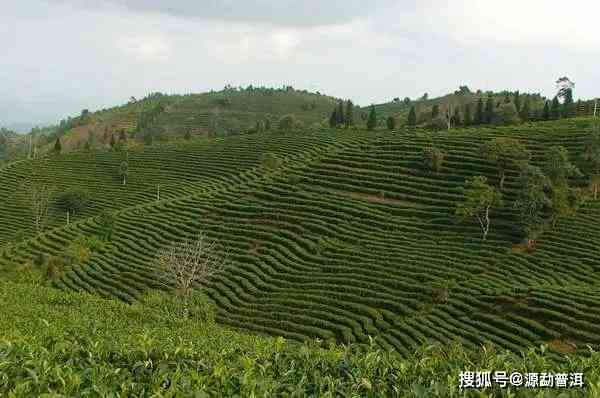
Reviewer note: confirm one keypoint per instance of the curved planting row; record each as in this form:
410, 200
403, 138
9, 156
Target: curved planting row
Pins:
349, 238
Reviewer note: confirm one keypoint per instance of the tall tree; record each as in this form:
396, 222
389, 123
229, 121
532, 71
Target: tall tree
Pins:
489, 110
508, 114
57, 145
38, 194
505, 153
124, 171
479, 115
435, 111
468, 118
391, 123
564, 85
532, 202
186, 265
555, 109
433, 159
559, 168
340, 113
372, 119
106, 221
349, 113
478, 200
517, 101
568, 106
288, 122
456, 119
546, 111
524, 111
412, 117
592, 160
333, 118
73, 200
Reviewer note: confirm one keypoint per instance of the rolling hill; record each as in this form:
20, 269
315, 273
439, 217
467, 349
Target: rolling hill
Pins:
346, 238
229, 111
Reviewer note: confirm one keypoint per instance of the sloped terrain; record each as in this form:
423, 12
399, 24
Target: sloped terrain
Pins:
230, 111
347, 238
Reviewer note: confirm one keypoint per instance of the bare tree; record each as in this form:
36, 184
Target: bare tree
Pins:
38, 196
124, 171
449, 115
190, 263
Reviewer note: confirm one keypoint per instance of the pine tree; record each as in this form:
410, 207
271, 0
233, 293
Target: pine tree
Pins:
333, 118
568, 103
517, 101
555, 108
468, 118
340, 113
524, 111
489, 111
57, 145
372, 119
546, 111
435, 111
112, 141
391, 123
412, 117
349, 113
479, 113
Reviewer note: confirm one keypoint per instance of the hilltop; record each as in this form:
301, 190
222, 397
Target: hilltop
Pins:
161, 117
165, 118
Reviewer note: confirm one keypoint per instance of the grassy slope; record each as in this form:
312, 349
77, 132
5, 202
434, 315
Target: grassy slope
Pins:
346, 240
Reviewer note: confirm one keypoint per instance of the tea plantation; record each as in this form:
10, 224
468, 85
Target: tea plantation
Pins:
74, 344
339, 235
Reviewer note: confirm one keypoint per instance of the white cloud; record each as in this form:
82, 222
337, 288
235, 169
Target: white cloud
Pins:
58, 59
146, 48
519, 22
291, 13
283, 42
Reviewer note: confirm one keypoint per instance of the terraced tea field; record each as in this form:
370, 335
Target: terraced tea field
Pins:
348, 238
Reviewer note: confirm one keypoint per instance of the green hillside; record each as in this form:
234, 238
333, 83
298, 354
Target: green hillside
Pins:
346, 238
229, 111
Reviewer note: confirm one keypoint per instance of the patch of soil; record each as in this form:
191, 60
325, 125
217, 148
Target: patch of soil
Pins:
254, 248
523, 248
509, 302
377, 199
562, 346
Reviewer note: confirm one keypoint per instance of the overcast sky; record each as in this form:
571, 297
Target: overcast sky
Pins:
60, 56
